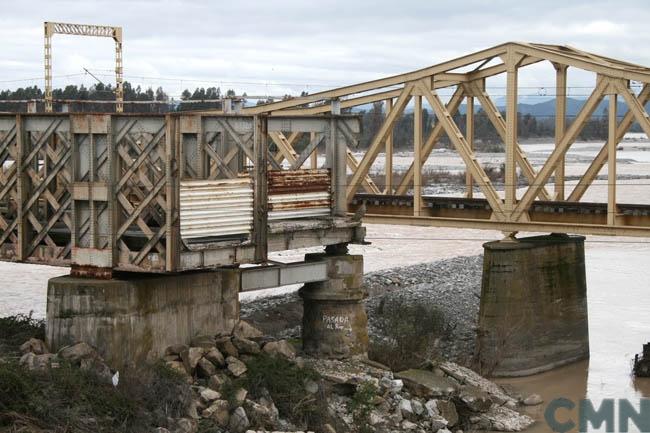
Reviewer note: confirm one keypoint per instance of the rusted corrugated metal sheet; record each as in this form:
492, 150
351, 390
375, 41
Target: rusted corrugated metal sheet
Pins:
214, 208
299, 194
292, 181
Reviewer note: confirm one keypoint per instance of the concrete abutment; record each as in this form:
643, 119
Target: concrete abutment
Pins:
132, 318
533, 312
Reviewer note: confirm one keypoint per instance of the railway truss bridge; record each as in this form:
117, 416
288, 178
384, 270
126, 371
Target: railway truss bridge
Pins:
164, 219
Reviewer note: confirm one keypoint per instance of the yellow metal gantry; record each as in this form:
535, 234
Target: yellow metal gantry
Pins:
51, 28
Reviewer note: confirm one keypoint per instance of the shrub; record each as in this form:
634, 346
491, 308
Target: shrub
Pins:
15, 330
361, 405
70, 399
285, 383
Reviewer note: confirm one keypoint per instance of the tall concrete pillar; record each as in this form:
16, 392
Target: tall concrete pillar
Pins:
533, 314
334, 323
132, 318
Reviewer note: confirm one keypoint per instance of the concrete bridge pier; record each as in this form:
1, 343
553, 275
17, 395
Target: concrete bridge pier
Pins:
334, 323
533, 313
132, 317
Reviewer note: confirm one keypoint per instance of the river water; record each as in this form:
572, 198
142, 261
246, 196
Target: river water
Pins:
618, 278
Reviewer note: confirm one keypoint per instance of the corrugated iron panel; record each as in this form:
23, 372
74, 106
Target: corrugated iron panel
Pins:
288, 181
299, 194
215, 208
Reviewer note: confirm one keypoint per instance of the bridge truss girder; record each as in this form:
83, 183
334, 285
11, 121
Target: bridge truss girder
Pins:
613, 78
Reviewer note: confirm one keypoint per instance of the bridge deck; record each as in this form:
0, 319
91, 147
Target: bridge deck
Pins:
545, 216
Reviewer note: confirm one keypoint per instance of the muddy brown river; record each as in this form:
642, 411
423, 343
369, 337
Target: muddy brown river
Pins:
618, 287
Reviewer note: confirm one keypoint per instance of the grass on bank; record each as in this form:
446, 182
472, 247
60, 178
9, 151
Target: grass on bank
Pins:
67, 399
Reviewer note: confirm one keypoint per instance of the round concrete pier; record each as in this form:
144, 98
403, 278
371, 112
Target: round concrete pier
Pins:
334, 322
533, 314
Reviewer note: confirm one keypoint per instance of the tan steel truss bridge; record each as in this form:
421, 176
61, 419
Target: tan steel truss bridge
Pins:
500, 210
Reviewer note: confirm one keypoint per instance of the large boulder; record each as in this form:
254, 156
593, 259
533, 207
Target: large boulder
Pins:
447, 410
281, 348
245, 346
97, 366
235, 366
465, 376
218, 412
245, 330
501, 418
238, 421
209, 395
262, 415
41, 362
427, 384
205, 368
179, 368
225, 346
215, 357
217, 381
76, 352
35, 346
475, 399
191, 357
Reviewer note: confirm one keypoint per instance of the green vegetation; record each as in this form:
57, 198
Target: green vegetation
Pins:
411, 330
361, 405
15, 330
68, 399
285, 383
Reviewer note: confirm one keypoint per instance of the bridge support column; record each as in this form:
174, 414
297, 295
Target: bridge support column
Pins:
334, 323
132, 318
533, 314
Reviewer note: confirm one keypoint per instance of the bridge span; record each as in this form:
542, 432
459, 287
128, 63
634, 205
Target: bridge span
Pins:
164, 219
555, 216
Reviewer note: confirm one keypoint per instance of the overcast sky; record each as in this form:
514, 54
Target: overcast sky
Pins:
276, 47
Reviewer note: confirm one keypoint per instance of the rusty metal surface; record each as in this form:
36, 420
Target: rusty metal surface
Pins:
299, 194
298, 181
91, 272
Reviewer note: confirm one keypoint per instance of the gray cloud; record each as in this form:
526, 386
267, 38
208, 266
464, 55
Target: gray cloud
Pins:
293, 45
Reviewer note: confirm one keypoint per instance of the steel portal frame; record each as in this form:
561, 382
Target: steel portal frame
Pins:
52, 28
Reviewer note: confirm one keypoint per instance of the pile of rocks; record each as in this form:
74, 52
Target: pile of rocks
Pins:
36, 356
437, 399
440, 398
353, 394
211, 364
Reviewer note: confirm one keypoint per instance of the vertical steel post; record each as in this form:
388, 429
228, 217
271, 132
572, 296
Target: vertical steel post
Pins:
560, 125
511, 134
389, 153
260, 176
611, 161
338, 167
469, 133
48, 67
417, 155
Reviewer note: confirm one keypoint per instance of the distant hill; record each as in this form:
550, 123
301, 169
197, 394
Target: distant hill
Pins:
547, 108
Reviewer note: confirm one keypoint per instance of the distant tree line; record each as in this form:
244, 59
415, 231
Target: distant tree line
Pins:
161, 103
485, 135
